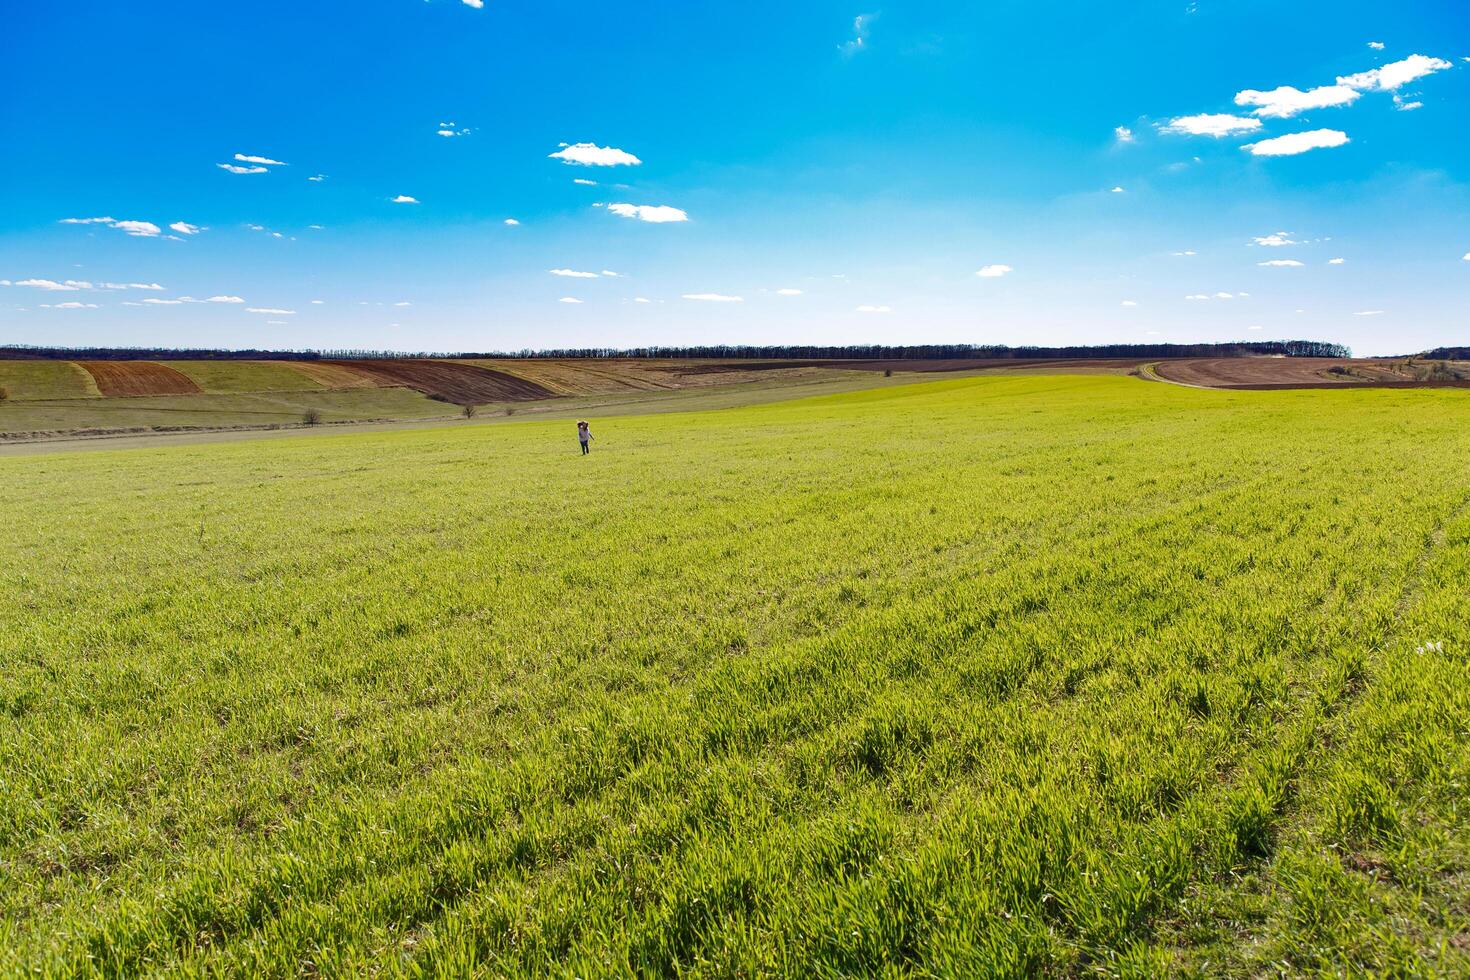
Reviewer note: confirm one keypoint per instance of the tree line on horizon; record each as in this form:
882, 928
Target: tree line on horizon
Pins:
859, 352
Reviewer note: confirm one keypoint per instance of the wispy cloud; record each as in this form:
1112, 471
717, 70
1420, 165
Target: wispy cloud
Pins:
1294, 143
1186, 252
1336, 261
569, 299
572, 273
1276, 240
592, 155
1376, 45
232, 168
70, 305
184, 228
1369, 313
1396, 74
1281, 264
511, 222
862, 26
138, 229
317, 178
653, 213
865, 308
714, 298
224, 299
1123, 134
163, 302
259, 161
271, 311
405, 199
994, 271
1130, 302
1285, 102
584, 181
788, 292
1216, 124
477, 4
69, 286
448, 130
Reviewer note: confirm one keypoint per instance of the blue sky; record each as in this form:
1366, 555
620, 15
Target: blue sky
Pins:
844, 172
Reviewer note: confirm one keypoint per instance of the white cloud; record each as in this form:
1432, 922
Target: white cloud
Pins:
73, 305
1253, 328
1117, 190
1275, 240
1188, 251
317, 178
1376, 45
164, 302
138, 229
994, 271
797, 292
1403, 105
584, 181
70, 286
1281, 264
1225, 295
569, 299
860, 31
1212, 124
1395, 75
405, 199
511, 222
263, 161
240, 170
1294, 143
1123, 134
184, 228
1286, 101
1129, 302
1336, 261
714, 298
572, 273
403, 302
477, 4
1197, 296
318, 302
1466, 258
592, 155
1368, 313
269, 310
613, 275
224, 299
655, 213
642, 299
873, 309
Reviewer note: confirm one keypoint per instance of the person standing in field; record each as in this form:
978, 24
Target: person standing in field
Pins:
584, 436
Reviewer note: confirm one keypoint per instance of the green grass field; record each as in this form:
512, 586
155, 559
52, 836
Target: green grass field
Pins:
173, 412
987, 676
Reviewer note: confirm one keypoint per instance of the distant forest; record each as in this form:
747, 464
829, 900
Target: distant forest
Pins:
1447, 354
918, 352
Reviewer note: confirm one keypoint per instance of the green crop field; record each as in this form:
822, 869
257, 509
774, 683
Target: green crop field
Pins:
983, 676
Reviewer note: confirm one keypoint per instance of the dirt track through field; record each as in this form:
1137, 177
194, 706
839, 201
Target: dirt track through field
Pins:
124, 378
452, 381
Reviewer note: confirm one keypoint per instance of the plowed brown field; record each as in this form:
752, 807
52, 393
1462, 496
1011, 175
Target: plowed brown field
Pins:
451, 381
1266, 373
121, 378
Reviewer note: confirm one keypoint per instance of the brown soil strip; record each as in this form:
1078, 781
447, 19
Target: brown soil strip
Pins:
451, 381
127, 378
1268, 373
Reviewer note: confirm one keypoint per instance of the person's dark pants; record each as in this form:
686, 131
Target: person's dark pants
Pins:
586, 449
